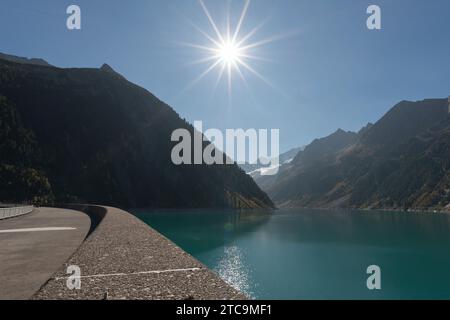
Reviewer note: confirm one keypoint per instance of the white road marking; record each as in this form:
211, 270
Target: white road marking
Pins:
37, 229
133, 273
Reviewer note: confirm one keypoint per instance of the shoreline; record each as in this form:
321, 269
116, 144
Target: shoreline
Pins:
415, 210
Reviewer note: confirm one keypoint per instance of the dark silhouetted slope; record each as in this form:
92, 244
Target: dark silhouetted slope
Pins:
21, 164
320, 149
105, 140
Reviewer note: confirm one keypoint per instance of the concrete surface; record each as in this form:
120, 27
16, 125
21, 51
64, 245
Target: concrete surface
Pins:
124, 258
34, 246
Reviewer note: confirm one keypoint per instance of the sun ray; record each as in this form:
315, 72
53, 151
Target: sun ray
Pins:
269, 40
200, 61
219, 77
211, 20
228, 23
253, 57
251, 33
245, 65
241, 20
241, 75
206, 35
267, 82
201, 76
229, 80
198, 46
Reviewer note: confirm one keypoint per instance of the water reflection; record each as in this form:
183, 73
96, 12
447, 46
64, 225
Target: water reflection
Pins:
234, 270
204, 230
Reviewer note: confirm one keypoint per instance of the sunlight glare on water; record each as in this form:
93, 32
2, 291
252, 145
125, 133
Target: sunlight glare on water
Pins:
234, 271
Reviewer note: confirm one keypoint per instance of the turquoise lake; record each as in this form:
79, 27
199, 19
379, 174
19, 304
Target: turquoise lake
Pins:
316, 254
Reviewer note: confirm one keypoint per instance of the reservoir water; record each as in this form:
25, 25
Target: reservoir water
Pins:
316, 254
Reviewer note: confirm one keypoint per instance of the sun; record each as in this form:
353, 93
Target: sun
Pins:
228, 51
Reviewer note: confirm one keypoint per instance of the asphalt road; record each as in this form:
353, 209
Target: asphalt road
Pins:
33, 247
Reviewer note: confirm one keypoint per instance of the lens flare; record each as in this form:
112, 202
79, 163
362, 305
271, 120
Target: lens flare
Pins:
229, 51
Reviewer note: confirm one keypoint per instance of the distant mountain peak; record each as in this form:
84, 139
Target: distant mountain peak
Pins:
107, 68
365, 128
24, 60
340, 133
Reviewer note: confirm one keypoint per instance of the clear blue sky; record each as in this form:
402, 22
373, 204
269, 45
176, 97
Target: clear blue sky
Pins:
332, 72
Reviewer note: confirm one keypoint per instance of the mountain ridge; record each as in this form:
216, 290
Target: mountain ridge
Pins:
402, 162
24, 60
107, 140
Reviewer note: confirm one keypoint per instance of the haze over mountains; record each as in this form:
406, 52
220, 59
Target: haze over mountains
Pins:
89, 135
256, 168
400, 162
